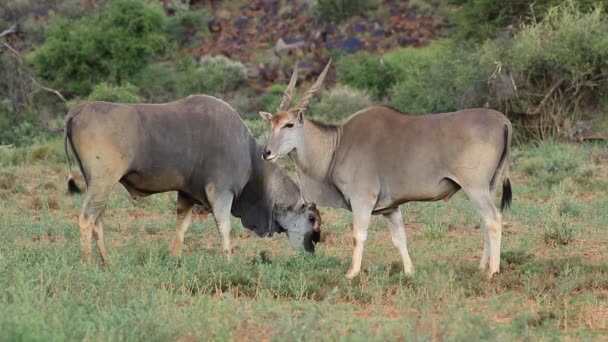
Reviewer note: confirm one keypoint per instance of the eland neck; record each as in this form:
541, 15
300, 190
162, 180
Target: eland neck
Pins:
314, 155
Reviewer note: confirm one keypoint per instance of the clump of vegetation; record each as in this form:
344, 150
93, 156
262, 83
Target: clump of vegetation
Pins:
438, 78
186, 27
272, 97
111, 44
558, 228
550, 163
213, 75
338, 10
166, 81
121, 94
368, 72
481, 20
558, 68
340, 102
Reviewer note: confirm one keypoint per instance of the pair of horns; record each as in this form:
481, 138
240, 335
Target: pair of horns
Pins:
287, 96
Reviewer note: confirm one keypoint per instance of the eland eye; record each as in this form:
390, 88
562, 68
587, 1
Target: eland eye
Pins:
289, 125
311, 219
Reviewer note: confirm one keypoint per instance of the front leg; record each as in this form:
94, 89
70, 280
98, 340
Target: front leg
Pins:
362, 213
221, 204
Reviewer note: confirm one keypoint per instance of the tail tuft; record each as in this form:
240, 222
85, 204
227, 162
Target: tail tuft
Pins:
507, 195
73, 187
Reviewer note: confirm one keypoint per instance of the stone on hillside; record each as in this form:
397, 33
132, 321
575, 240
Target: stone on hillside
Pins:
285, 45
352, 44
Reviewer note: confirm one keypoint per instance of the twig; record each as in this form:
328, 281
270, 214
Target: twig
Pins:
542, 103
6, 146
16, 53
47, 89
9, 30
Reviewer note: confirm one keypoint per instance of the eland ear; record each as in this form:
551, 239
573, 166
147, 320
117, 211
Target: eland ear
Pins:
266, 116
300, 116
311, 206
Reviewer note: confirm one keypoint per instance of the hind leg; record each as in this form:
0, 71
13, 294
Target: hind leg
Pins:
99, 240
362, 213
492, 226
184, 218
395, 220
90, 221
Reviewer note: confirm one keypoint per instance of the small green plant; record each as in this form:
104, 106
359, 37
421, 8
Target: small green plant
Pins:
272, 97
340, 102
558, 228
214, 75
434, 231
120, 94
550, 163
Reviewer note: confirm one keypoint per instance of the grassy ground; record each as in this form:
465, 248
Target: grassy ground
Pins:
553, 284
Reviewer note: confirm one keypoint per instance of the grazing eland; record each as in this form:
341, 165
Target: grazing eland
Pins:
379, 158
197, 146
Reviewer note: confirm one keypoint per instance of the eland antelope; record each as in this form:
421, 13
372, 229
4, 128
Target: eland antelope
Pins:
197, 146
379, 158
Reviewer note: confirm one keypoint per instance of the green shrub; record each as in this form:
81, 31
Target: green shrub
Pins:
118, 94
340, 102
479, 20
169, 81
367, 72
214, 75
111, 44
186, 27
272, 97
158, 82
557, 66
438, 78
338, 10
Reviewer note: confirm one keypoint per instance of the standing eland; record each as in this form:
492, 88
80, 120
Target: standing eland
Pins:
379, 158
197, 146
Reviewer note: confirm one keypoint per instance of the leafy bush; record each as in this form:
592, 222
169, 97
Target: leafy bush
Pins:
110, 93
272, 97
480, 20
339, 102
158, 82
163, 82
367, 72
214, 75
338, 10
111, 44
558, 228
186, 26
559, 67
438, 78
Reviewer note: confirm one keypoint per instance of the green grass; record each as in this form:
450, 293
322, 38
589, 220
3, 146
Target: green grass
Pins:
546, 290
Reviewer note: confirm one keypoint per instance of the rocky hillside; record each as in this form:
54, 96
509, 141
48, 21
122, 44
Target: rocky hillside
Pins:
264, 34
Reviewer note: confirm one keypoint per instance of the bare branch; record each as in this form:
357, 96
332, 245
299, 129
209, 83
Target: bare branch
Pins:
10, 30
56, 92
34, 81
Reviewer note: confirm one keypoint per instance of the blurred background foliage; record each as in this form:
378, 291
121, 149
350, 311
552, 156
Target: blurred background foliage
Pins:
544, 64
